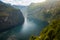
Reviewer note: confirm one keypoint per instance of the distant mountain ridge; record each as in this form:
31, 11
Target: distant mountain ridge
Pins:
22, 8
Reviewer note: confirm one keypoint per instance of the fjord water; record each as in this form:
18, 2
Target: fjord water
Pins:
29, 28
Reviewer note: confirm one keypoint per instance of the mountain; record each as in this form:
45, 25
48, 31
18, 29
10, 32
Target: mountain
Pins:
9, 17
50, 12
44, 11
22, 8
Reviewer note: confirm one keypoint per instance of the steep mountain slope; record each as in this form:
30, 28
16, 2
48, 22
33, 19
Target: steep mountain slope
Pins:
9, 16
44, 11
52, 15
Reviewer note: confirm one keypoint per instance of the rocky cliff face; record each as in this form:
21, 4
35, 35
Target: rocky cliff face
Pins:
9, 16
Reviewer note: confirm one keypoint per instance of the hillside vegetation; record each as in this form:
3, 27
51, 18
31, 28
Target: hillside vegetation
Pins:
51, 32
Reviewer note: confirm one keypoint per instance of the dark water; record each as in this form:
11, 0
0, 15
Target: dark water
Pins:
29, 28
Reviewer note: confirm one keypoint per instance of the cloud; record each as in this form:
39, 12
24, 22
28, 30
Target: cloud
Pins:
22, 2
18, 2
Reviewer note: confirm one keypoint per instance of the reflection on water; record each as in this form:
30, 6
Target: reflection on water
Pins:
28, 26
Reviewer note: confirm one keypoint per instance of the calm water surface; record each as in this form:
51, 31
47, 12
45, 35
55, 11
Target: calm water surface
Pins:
29, 28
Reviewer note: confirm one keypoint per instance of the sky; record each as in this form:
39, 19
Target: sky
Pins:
22, 2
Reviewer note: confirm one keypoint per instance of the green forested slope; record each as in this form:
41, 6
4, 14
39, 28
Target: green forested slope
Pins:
51, 32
